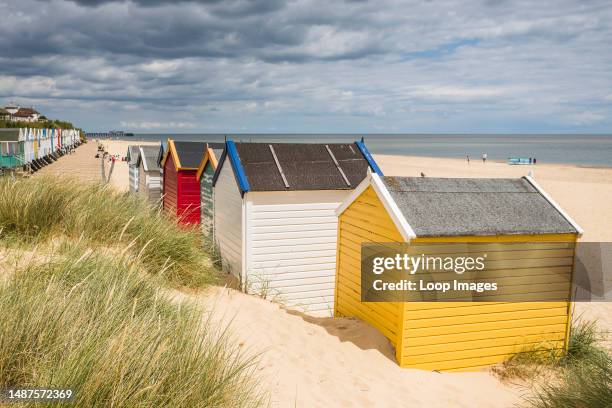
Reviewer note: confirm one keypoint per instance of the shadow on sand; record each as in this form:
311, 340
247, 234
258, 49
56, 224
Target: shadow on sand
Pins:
348, 329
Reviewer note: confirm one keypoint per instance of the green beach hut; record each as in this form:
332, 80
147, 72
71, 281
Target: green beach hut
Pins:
205, 174
12, 142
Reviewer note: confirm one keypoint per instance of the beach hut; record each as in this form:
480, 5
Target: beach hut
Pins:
149, 174
35, 142
52, 144
11, 148
181, 196
133, 153
63, 141
29, 148
530, 242
163, 146
274, 216
205, 175
44, 144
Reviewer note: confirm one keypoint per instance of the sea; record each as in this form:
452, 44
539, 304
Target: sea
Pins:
578, 149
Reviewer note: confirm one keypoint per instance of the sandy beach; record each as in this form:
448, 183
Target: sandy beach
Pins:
84, 165
312, 362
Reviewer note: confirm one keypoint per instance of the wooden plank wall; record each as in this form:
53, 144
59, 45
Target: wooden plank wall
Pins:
206, 200
463, 336
292, 238
228, 220
188, 197
170, 187
364, 221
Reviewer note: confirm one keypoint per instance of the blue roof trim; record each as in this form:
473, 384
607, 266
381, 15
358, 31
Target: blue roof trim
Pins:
368, 156
230, 147
234, 158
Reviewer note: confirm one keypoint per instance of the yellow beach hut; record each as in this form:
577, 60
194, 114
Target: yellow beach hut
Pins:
460, 336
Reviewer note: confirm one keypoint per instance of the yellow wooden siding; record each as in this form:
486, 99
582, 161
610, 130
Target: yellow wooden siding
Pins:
459, 336
462, 336
364, 221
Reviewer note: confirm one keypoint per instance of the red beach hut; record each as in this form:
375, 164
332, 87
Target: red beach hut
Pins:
181, 185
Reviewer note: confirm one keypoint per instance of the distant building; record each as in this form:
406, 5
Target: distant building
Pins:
11, 109
18, 114
5, 114
25, 115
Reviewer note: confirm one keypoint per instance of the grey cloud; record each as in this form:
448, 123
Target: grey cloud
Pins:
417, 64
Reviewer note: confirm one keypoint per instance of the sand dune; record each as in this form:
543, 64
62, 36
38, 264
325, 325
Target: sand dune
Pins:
325, 362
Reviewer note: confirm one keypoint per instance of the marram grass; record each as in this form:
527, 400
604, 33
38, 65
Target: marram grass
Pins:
585, 378
587, 384
578, 378
38, 209
92, 322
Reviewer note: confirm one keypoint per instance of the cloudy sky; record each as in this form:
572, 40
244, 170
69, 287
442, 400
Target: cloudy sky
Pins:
312, 66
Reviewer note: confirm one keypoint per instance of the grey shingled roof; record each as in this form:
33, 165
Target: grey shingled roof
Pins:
133, 154
306, 166
150, 154
217, 149
163, 146
190, 153
465, 206
9, 135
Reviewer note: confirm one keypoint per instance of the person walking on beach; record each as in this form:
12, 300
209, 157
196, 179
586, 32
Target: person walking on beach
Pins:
484, 157
468, 158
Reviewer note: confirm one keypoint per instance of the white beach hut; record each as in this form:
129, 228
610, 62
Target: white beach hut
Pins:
133, 153
149, 174
44, 143
29, 145
274, 216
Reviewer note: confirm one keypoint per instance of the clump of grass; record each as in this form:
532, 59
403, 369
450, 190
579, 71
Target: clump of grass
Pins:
93, 322
578, 378
583, 343
527, 364
37, 209
582, 348
588, 384
585, 378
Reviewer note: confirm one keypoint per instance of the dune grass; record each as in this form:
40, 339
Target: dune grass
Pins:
38, 209
585, 378
583, 347
587, 384
92, 321
578, 378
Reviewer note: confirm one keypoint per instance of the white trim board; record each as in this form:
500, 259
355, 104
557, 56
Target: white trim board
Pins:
555, 204
144, 162
393, 210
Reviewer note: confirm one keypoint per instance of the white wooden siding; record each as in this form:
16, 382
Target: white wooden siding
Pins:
291, 247
133, 179
228, 220
153, 182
